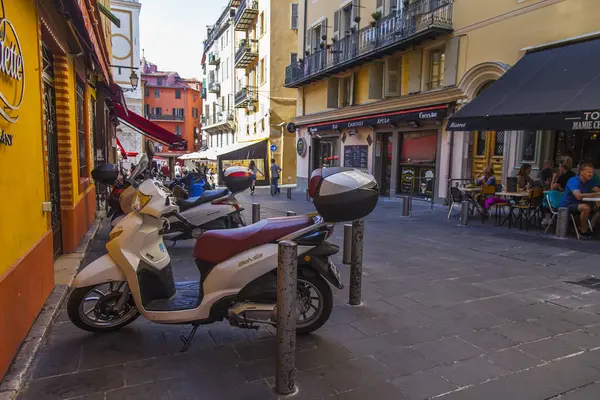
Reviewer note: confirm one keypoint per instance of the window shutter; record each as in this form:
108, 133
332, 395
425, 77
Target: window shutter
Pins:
379, 4
352, 86
414, 71
355, 11
323, 31
376, 80
307, 44
392, 77
451, 61
332, 93
336, 24
294, 23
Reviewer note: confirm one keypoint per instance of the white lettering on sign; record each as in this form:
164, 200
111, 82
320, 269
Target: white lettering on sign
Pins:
355, 124
334, 126
6, 138
458, 125
592, 115
586, 125
381, 121
426, 115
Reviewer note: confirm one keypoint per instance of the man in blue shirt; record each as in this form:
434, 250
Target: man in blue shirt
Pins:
578, 188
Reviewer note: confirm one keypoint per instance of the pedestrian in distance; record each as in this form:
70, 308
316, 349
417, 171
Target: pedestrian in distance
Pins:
252, 167
275, 170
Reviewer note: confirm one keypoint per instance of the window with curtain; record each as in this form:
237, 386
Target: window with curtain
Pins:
81, 137
436, 68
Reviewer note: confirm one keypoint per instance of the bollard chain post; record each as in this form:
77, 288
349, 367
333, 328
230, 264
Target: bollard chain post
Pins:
356, 259
255, 212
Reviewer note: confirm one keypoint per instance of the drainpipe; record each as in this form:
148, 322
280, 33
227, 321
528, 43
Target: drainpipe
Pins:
304, 30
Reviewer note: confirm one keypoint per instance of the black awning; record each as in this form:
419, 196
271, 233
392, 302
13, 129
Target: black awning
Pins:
244, 151
552, 89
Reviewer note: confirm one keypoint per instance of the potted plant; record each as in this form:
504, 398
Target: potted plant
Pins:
357, 19
333, 39
376, 17
324, 37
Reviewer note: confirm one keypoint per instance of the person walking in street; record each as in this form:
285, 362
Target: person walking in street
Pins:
275, 170
177, 170
252, 167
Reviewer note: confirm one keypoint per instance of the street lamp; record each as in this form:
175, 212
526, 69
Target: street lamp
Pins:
134, 79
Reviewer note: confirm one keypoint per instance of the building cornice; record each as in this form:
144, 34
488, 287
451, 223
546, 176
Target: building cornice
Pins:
447, 95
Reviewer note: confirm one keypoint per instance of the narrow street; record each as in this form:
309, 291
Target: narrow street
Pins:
450, 312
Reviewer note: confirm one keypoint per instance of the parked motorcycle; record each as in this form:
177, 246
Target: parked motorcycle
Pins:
238, 278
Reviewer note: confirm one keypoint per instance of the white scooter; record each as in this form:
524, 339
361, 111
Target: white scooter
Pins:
238, 279
215, 209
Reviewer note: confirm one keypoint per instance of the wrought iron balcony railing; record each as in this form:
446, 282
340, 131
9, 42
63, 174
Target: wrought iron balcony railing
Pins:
421, 19
245, 15
213, 59
246, 54
245, 98
165, 117
214, 87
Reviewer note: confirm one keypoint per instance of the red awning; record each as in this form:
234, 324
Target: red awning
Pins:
148, 128
132, 153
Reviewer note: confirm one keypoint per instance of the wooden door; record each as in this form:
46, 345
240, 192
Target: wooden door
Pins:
488, 149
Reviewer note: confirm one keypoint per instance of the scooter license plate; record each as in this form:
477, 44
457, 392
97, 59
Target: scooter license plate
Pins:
335, 271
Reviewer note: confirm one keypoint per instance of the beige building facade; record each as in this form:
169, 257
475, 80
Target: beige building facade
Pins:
377, 81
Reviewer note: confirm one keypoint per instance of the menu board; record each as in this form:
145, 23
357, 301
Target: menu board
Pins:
356, 156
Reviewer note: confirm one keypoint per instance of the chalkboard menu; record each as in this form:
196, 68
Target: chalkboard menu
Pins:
356, 156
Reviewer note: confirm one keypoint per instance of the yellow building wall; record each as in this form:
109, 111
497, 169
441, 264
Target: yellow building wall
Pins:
22, 177
514, 28
315, 97
361, 85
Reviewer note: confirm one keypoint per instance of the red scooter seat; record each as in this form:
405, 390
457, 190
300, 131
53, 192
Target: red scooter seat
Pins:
219, 245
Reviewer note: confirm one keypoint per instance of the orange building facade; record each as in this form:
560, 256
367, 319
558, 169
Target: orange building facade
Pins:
173, 103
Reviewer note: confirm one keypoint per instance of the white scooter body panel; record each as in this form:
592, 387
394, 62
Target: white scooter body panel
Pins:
205, 213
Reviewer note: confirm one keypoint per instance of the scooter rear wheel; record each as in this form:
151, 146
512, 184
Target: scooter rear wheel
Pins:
314, 300
91, 308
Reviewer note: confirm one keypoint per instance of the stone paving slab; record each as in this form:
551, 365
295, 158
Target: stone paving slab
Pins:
449, 312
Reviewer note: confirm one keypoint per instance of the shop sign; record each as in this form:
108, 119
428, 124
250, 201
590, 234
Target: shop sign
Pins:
6, 138
422, 114
12, 71
301, 147
591, 120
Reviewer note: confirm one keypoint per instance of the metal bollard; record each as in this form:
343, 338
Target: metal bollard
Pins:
287, 274
255, 212
307, 195
464, 213
406, 206
290, 213
356, 258
289, 193
562, 222
347, 255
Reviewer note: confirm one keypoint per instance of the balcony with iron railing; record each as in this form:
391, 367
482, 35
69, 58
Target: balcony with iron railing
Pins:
213, 59
219, 122
421, 20
246, 54
165, 117
246, 97
214, 87
245, 16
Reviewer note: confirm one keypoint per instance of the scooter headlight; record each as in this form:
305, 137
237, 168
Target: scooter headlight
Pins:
139, 200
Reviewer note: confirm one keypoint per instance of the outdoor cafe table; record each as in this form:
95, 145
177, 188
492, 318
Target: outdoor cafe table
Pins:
591, 199
468, 193
513, 195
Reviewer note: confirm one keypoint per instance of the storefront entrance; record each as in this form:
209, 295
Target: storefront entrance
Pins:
488, 149
325, 152
383, 162
417, 166
52, 143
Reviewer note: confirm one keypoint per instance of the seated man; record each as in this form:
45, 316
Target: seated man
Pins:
578, 188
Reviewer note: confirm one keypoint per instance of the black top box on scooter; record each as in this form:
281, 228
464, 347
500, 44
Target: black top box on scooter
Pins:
343, 194
237, 179
106, 174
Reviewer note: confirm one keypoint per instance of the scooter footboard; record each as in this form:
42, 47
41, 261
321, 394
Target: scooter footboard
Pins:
103, 270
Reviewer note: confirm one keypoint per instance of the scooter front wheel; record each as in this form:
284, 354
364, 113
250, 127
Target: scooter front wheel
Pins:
314, 301
94, 308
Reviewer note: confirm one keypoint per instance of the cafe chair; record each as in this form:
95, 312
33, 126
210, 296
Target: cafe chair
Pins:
530, 209
553, 198
457, 198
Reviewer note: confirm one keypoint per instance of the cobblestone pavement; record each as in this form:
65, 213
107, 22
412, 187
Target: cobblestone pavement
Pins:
449, 312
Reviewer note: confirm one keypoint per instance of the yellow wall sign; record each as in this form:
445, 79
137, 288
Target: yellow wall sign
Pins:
12, 73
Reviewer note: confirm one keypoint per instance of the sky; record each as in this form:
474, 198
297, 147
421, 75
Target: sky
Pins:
172, 31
